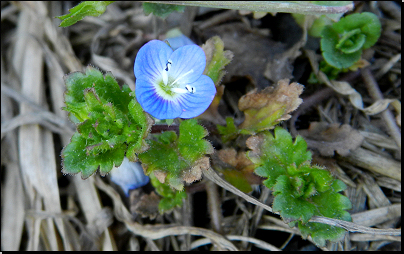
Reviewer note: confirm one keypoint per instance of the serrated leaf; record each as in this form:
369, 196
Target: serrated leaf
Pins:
109, 121
76, 158
228, 132
178, 159
191, 144
272, 155
161, 10
296, 208
86, 8
170, 198
300, 190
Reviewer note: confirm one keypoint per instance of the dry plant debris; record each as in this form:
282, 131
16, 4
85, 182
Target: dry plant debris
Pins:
327, 138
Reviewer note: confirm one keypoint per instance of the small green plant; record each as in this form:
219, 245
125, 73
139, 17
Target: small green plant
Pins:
342, 43
301, 190
109, 121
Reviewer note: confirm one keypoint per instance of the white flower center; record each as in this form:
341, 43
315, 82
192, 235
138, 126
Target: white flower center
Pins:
175, 86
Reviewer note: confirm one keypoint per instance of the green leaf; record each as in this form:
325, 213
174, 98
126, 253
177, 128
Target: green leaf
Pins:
178, 159
171, 198
351, 41
86, 8
229, 131
217, 58
161, 10
300, 190
367, 22
109, 121
237, 179
297, 208
272, 154
76, 158
342, 43
334, 56
191, 144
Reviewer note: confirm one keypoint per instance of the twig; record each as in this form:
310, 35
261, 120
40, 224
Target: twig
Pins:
214, 206
309, 102
376, 94
352, 227
158, 231
259, 243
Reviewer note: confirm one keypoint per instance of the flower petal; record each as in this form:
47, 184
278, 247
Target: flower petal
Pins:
129, 176
154, 104
185, 59
195, 104
151, 60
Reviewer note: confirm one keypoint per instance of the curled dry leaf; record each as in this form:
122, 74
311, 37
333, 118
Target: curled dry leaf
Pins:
195, 173
238, 160
255, 143
243, 167
327, 138
264, 109
160, 175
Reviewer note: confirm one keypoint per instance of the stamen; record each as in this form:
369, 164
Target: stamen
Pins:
165, 77
190, 89
182, 76
178, 90
168, 65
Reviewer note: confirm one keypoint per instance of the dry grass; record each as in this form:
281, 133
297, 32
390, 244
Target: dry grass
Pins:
45, 210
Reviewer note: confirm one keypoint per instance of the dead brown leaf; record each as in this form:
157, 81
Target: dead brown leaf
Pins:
195, 173
241, 164
327, 138
264, 109
147, 206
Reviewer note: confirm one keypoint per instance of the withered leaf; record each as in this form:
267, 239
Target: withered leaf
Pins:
242, 168
264, 109
327, 138
147, 206
195, 173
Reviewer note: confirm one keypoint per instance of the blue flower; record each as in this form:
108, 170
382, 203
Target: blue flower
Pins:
169, 83
129, 176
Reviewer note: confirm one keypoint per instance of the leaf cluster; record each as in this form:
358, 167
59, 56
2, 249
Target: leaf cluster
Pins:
175, 159
301, 190
342, 43
109, 122
171, 198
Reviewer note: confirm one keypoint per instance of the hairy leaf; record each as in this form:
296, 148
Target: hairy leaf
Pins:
170, 198
85, 8
300, 190
175, 159
109, 122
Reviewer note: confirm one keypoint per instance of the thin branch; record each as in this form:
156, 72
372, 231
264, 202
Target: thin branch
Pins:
351, 227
